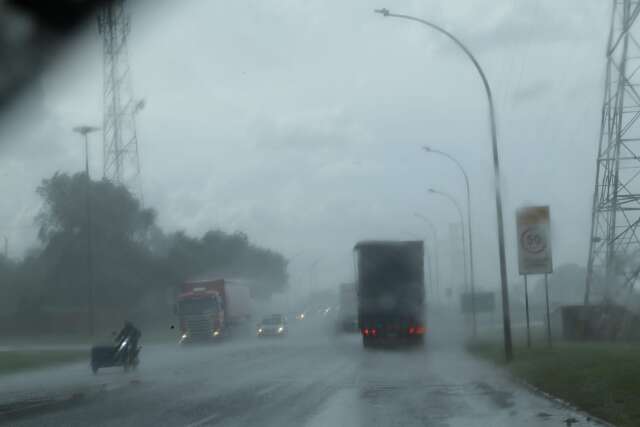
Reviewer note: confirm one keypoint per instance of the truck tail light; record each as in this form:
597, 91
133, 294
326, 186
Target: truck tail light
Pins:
412, 330
365, 332
420, 330
374, 332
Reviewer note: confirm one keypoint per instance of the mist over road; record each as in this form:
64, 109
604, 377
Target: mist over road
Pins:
313, 377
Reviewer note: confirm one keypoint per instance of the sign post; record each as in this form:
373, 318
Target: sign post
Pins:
546, 295
526, 307
534, 252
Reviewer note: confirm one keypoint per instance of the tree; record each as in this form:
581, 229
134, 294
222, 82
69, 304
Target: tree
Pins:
135, 264
119, 225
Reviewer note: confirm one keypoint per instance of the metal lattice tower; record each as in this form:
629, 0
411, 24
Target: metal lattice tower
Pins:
614, 254
120, 142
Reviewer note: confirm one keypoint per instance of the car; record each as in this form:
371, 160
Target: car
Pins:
274, 325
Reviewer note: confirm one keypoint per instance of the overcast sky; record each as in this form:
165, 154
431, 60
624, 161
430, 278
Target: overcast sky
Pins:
301, 123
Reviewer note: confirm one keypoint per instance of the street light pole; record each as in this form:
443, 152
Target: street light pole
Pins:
312, 271
463, 240
431, 288
469, 233
435, 251
85, 131
506, 317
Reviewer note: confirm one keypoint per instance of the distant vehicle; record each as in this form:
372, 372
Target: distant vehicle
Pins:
348, 308
211, 309
391, 301
274, 326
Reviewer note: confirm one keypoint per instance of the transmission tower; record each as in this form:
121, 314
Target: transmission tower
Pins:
121, 163
614, 253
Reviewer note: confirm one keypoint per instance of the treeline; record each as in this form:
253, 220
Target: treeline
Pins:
135, 264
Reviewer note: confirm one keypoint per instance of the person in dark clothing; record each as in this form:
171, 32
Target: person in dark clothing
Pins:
131, 332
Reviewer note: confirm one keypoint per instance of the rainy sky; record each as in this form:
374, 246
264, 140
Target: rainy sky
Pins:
300, 123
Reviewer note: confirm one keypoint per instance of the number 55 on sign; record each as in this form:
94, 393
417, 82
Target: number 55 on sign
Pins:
534, 240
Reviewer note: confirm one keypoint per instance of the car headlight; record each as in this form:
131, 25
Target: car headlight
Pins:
259, 330
280, 329
184, 337
216, 333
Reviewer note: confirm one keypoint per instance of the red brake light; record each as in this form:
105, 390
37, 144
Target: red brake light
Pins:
421, 330
412, 330
373, 332
365, 331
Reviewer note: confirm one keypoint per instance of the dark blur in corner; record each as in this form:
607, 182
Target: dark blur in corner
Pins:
31, 34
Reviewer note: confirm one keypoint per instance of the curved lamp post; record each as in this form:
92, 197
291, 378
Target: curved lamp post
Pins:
506, 320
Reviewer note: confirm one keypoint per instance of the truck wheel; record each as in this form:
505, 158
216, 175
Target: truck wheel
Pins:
367, 342
418, 341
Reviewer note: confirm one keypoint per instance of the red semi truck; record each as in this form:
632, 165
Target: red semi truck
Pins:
211, 309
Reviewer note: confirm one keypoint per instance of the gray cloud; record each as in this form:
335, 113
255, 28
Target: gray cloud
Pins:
301, 122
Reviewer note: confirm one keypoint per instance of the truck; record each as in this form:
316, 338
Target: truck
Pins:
348, 308
391, 294
212, 309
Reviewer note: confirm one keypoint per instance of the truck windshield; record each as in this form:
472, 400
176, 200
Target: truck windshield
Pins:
196, 306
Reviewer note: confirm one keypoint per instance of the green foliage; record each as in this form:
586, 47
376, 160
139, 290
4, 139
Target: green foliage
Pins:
600, 378
133, 258
15, 361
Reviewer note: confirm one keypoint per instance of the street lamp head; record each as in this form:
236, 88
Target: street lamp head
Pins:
427, 148
85, 129
431, 190
383, 11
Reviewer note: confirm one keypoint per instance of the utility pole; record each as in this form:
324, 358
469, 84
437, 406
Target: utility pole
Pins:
121, 162
85, 131
462, 234
435, 250
312, 270
615, 217
472, 274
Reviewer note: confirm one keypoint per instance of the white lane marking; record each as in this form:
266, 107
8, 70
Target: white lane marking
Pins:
203, 421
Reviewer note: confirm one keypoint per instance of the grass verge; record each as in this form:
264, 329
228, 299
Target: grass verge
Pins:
22, 360
602, 379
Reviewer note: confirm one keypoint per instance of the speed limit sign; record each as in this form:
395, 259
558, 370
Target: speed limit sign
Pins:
534, 240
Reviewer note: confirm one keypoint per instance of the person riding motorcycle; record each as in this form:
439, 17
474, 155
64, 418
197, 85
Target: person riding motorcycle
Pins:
133, 334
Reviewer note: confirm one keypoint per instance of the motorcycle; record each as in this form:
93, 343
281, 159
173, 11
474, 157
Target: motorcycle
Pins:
122, 354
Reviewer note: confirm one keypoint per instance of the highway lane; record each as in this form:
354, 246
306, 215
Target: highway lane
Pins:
311, 378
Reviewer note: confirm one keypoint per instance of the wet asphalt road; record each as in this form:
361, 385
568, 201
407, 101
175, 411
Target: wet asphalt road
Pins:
311, 378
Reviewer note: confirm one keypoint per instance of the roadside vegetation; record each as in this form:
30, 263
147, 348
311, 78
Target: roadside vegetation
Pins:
12, 361
602, 379
135, 263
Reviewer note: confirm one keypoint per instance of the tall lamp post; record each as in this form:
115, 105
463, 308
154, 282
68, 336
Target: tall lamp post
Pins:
85, 131
463, 239
431, 288
469, 233
436, 260
312, 272
506, 317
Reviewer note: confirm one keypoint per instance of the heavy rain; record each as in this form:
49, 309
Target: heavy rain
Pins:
320, 213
